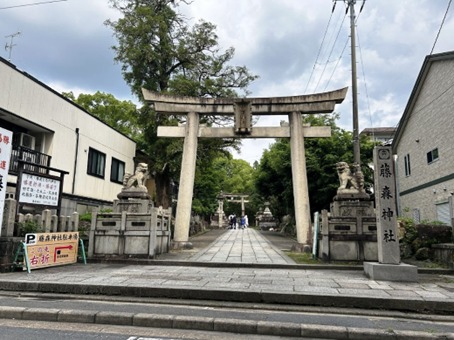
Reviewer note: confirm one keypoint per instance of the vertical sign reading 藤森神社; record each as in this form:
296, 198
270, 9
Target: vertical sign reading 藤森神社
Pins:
6, 137
386, 207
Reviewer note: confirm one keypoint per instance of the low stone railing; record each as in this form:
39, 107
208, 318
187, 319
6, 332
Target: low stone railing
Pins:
11, 235
125, 234
46, 222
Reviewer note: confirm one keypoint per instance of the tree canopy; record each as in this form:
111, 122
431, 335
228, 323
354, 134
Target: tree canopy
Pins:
159, 51
223, 174
121, 115
274, 172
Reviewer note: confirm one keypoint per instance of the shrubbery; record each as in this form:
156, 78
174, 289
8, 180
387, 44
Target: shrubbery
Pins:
416, 240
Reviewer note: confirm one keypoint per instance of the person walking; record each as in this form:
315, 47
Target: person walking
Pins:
231, 221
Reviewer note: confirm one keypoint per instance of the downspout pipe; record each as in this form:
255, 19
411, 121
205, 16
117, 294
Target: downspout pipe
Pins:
75, 161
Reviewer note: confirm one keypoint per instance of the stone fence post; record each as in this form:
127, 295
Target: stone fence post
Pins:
54, 224
9, 217
46, 218
75, 221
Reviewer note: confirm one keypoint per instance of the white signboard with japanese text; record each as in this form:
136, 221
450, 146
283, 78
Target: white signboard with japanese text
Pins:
6, 138
36, 189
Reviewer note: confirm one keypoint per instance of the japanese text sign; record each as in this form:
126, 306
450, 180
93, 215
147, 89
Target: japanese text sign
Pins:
386, 208
36, 189
6, 138
51, 249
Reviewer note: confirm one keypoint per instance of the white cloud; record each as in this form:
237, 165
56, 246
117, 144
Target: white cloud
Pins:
67, 46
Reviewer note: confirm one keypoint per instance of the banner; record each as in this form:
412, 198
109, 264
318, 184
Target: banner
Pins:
6, 138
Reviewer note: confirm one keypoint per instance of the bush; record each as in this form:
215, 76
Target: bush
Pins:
29, 227
418, 239
433, 234
423, 254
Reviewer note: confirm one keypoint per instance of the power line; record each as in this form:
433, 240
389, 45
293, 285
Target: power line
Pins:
342, 53
337, 63
319, 50
33, 4
331, 52
365, 84
441, 26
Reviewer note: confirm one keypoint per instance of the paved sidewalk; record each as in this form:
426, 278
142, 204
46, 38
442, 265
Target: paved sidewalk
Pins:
242, 246
232, 266
313, 287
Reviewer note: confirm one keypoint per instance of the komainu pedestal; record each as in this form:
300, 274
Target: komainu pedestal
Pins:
135, 228
349, 230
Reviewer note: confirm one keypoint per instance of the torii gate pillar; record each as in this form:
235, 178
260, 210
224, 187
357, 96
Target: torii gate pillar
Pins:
299, 179
187, 176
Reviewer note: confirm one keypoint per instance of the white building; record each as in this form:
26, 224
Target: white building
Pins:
424, 144
50, 130
383, 135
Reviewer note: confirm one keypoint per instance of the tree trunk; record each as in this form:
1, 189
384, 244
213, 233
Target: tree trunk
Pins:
163, 190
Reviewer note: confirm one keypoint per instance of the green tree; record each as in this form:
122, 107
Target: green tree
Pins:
274, 172
159, 51
224, 174
121, 115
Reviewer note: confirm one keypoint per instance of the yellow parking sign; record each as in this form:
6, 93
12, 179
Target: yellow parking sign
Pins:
51, 249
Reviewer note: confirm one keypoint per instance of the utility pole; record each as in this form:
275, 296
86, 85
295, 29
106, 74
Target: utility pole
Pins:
9, 47
356, 147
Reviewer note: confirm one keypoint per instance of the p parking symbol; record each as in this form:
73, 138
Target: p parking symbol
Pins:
30, 238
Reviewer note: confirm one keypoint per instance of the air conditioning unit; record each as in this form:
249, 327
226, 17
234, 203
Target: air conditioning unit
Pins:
27, 141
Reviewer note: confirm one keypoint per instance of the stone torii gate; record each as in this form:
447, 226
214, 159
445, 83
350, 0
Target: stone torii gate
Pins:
243, 109
237, 198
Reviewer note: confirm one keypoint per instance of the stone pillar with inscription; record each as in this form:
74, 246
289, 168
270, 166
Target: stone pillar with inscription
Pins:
389, 267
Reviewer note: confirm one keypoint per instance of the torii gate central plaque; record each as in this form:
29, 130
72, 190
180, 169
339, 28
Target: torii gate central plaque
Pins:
243, 109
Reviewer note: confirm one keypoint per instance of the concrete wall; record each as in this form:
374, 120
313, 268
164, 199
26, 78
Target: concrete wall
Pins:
429, 126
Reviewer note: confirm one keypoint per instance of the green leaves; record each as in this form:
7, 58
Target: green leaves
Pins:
121, 115
274, 176
159, 51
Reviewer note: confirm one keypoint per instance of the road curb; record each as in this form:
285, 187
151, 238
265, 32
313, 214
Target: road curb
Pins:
211, 324
186, 263
342, 301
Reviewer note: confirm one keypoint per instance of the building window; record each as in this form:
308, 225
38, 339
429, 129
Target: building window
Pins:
432, 156
96, 163
117, 171
407, 165
443, 213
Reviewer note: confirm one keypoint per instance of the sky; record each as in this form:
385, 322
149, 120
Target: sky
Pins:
295, 47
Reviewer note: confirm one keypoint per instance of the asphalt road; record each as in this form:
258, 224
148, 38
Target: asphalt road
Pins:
242, 311
35, 330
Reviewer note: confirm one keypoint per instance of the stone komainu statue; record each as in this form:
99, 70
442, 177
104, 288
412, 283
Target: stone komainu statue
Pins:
350, 182
137, 180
